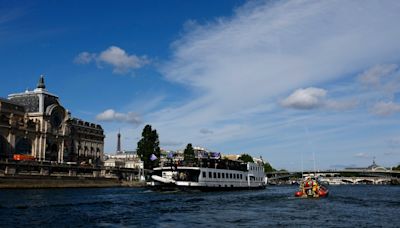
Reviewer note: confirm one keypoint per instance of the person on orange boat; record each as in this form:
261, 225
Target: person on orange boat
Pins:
302, 189
315, 188
308, 186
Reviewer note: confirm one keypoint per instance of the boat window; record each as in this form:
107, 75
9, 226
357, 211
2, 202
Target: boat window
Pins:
230, 175
209, 175
223, 175
241, 176
227, 176
219, 175
246, 178
215, 175
204, 175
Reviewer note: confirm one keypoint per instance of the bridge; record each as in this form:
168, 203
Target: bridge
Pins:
350, 176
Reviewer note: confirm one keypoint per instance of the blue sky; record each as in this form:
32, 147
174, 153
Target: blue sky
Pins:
279, 79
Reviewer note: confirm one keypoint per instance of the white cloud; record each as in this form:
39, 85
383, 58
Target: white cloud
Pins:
309, 98
374, 75
394, 142
341, 105
385, 108
268, 49
381, 81
114, 56
313, 98
361, 155
120, 60
85, 58
237, 67
206, 131
111, 115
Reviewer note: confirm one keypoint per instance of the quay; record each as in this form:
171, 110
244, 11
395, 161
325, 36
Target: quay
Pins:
14, 174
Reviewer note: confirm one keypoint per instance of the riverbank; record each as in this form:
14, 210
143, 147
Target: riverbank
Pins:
26, 182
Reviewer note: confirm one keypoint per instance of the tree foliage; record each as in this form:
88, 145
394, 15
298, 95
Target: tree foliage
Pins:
188, 153
396, 168
246, 158
148, 145
268, 168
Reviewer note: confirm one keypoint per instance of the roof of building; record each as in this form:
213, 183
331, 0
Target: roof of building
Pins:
14, 105
30, 99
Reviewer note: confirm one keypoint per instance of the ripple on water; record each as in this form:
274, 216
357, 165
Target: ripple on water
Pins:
347, 206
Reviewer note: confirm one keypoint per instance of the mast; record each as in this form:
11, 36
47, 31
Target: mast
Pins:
315, 170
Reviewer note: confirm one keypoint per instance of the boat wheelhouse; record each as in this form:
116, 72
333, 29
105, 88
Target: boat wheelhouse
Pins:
209, 174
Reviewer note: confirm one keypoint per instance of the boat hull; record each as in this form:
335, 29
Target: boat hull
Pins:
173, 187
323, 192
251, 176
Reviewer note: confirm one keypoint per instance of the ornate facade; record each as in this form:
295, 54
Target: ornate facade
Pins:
35, 123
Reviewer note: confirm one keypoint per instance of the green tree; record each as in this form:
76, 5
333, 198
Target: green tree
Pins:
148, 145
268, 168
188, 153
246, 158
396, 168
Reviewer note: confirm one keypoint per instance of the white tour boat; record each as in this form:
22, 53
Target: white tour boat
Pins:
209, 174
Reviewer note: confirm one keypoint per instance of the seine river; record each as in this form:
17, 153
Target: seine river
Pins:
347, 206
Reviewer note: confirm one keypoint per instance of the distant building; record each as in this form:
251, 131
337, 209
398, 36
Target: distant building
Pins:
35, 123
373, 167
112, 162
122, 158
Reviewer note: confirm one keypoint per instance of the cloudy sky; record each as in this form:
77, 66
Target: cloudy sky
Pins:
285, 80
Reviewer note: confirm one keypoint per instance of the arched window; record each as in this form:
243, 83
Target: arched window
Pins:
80, 152
23, 146
51, 151
4, 147
86, 151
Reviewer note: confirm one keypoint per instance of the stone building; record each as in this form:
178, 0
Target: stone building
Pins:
35, 123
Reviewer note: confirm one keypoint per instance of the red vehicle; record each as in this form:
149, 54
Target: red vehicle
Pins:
23, 157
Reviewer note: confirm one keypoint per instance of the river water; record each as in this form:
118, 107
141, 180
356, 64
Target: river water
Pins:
346, 206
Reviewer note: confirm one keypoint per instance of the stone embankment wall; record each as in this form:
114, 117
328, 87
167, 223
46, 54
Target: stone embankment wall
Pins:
54, 182
22, 174
62, 182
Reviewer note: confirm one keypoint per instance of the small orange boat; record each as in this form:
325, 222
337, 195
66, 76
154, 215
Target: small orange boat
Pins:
310, 188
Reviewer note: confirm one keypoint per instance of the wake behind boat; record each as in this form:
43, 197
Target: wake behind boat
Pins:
209, 174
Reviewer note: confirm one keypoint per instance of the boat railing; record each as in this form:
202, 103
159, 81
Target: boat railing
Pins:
208, 163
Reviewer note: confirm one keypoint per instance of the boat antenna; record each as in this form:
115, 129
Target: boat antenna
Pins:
312, 148
315, 170
302, 165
